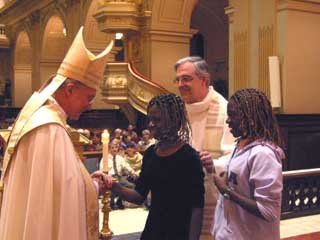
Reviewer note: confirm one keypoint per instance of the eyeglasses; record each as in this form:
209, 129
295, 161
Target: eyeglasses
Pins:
184, 79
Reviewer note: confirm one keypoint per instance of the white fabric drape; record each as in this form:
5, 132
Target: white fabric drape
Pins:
44, 196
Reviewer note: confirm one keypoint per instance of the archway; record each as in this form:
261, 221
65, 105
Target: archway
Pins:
22, 83
96, 41
54, 47
197, 45
212, 24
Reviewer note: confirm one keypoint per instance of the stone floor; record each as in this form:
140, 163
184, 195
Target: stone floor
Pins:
126, 225
300, 226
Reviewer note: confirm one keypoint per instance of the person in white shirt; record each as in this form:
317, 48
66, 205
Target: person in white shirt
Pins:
146, 141
119, 169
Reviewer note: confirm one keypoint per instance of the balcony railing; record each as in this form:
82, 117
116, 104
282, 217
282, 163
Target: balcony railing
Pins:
301, 193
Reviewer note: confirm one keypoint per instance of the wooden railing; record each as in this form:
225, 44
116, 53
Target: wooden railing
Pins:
301, 193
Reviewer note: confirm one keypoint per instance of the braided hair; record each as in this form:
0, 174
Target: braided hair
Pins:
257, 119
176, 126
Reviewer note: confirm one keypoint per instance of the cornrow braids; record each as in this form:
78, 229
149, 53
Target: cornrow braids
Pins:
173, 113
257, 118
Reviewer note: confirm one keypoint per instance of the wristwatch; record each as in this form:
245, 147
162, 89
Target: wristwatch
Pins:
227, 192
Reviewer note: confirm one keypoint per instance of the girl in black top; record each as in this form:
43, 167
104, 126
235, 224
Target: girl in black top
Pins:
172, 171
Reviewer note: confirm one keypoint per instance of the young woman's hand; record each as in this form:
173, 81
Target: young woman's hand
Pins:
221, 181
207, 161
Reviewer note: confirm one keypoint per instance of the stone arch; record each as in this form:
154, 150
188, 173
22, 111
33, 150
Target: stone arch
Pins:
86, 5
197, 45
210, 20
54, 46
170, 14
22, 83
172, 25
167, 39
58, 10
96, 41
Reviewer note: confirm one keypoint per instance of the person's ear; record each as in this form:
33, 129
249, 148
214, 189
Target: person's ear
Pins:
205, 80
69, 89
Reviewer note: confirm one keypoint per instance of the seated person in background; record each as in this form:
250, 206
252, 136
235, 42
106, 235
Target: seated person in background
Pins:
133, 134
127, 141
249, 205
146, 141
117, 134
96, 140
134, 159
172, 172
87, 147
87, 133
119, 169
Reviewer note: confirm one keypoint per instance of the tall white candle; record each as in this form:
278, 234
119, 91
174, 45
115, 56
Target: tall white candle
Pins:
275, 86
105, 150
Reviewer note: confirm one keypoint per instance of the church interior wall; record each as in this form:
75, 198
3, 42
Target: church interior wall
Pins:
289, 31
166, 61
22, 83
5, 64
169, 35
301, 63
209, 19
5, 77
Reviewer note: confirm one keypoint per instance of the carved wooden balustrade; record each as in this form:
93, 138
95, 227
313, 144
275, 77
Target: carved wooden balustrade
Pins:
301, 193
123, 85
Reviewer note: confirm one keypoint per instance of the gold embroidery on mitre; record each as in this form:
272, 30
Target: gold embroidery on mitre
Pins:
82, 65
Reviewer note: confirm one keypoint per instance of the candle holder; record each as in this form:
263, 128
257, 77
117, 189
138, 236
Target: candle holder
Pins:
106, 233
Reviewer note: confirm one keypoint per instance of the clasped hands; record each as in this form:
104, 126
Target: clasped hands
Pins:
220, 180
103, 180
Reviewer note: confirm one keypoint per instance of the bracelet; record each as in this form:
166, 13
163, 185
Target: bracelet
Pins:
227, 192
114, 180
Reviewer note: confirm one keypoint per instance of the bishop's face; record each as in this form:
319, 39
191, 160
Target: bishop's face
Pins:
80, 98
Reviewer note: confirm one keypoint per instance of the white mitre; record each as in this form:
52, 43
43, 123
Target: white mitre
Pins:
82, 65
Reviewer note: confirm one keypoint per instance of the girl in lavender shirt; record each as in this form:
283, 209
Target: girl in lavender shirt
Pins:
249, 204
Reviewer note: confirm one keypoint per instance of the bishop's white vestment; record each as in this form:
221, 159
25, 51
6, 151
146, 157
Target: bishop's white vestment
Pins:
48, 194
